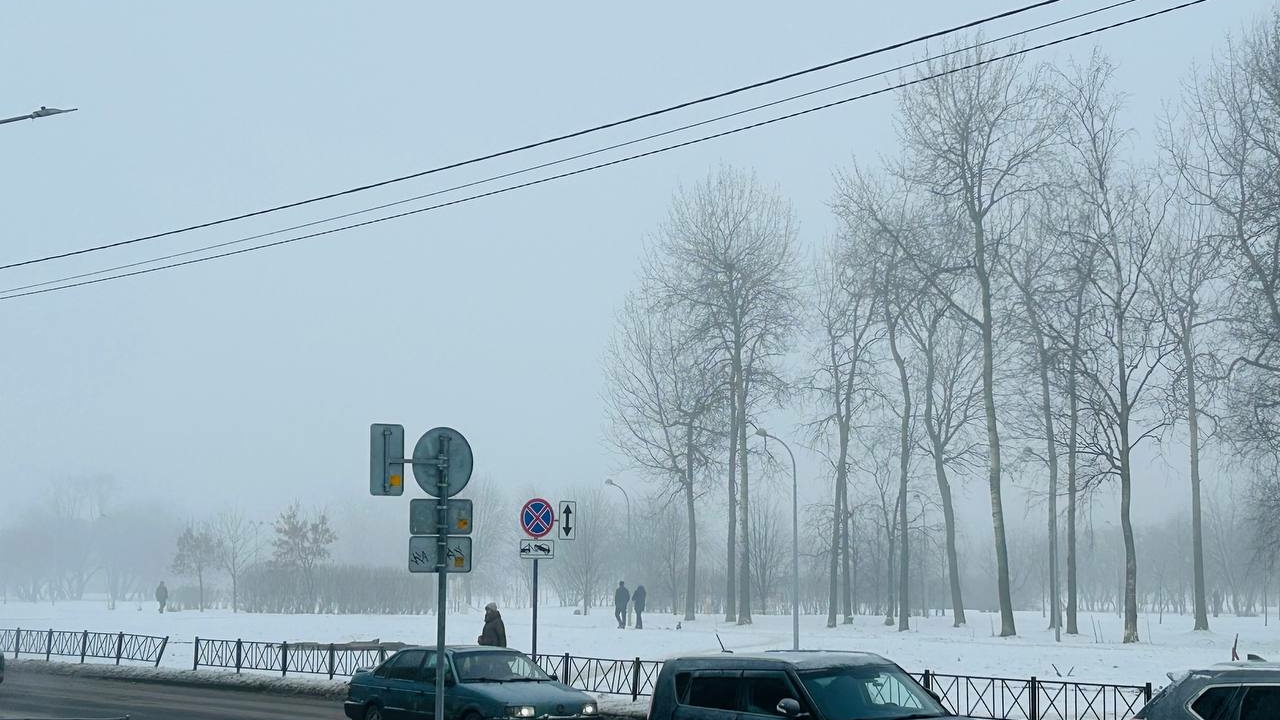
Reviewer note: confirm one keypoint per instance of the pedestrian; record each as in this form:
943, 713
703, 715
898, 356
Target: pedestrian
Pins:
162, 596
637, 602
621, 597
495, 631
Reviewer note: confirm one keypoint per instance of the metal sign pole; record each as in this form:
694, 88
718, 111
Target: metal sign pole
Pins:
442, 552
535, 607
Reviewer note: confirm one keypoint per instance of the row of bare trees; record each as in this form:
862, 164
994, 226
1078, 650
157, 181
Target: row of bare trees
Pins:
1015, 291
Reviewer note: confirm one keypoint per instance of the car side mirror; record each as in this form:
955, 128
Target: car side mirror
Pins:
554, 678
933, 694
790, 708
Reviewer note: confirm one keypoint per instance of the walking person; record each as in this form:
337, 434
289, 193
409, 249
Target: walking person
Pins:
621, 597
637, 602
494, 632
162, 596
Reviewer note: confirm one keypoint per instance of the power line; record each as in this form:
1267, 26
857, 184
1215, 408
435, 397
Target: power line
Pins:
551, 163
619, 161
548, 141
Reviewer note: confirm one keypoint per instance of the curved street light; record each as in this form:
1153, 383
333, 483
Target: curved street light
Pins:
795, 543
611, 483
42, 112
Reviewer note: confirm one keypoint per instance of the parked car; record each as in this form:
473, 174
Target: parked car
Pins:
1, 667
792, 685
1231, 691
482, 683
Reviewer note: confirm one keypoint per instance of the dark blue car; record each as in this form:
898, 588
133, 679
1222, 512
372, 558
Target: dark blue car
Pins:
481, 683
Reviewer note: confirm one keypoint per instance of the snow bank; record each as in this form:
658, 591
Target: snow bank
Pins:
318, 687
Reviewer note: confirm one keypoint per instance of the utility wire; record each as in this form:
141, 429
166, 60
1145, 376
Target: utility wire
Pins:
629, 158
541, 166
548, 141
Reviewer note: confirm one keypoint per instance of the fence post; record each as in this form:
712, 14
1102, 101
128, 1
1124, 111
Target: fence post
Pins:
119, 647
163, 644
635, 679
566, 670
17, 642
84, 645
239, 654
48, 648
284, 659
382, 654
927, 680
331, 659
195, 656
1034, 703
1146, 692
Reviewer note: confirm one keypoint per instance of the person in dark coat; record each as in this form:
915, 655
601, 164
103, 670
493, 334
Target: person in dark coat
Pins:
494, 632
621, 597
162, 596
637, 602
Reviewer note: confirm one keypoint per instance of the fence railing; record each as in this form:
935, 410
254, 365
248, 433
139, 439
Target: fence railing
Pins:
998, 698
992, 698
332, 659
83, 644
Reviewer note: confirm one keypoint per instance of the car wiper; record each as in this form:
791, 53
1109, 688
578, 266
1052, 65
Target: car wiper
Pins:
916, 716
529, 680
485, 679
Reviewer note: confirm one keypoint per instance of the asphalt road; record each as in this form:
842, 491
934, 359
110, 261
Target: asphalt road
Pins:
41, 695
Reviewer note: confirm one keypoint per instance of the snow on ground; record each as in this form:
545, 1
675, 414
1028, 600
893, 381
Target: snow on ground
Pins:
931, 643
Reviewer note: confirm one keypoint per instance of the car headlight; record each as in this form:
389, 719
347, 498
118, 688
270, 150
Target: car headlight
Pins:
520, 711
589, 709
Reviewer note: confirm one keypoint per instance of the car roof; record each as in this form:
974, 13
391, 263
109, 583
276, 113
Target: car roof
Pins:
459, 648
798, 659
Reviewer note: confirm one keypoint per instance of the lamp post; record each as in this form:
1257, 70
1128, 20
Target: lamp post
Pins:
795, 543
611, 483
42, 112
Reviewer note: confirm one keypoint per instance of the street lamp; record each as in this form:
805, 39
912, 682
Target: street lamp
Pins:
611, 483
795, 543
42, 112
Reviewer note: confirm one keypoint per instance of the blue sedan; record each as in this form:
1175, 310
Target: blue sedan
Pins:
481, 683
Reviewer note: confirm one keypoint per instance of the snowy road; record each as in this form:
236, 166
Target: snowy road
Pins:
26, 694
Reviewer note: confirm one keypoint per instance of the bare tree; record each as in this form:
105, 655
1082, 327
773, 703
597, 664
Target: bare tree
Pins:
301, 544
584, 565
197, 551
665, 394
847, 320
1121, 222
973, 135
725, 261
238, 546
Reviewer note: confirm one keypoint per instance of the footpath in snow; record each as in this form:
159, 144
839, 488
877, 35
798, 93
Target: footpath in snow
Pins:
931, 644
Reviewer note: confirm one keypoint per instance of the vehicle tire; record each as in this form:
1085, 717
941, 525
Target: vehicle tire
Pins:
373, 712
473, 715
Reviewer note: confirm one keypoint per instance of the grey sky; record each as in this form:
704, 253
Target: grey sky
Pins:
256, 377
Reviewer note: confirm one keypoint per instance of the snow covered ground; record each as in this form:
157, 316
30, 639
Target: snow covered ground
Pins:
931, 644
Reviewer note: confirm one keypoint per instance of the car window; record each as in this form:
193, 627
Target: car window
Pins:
882, 691
1214, 702
1261, 703
885, 689
428, 672
765, 691
682, 687
490, 666
404, 666
715, 692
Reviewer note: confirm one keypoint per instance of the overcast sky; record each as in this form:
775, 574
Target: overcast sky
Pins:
256, 377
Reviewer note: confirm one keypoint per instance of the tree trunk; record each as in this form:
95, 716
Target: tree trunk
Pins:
1126, 483
847, 567
944, 492
904, 449
691, 588
1193, 431
1073, 440
1007, 625
744, 573
1051, 450
200, 582
837, 524
731, 567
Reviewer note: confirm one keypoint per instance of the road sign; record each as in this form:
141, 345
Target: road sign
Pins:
568, 527
426, 469
386, 443
537, 549
422, 554
422, 516
537, 517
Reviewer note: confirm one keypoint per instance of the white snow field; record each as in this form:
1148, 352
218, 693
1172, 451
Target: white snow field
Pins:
931, 643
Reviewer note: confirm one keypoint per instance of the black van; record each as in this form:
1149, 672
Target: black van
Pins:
792, 685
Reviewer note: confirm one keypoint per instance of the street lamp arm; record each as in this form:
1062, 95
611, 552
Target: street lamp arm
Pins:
42, 112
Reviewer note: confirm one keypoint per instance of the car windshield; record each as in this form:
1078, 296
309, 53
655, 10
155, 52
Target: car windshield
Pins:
492, 666
869, 692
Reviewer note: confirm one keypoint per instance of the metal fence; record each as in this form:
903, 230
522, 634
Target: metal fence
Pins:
998, 698
332, 659
83, 644
634, 677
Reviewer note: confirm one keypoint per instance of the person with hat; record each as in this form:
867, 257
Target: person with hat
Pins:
495, 632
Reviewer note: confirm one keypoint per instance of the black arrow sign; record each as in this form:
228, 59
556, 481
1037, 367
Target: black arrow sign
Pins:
568, 519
